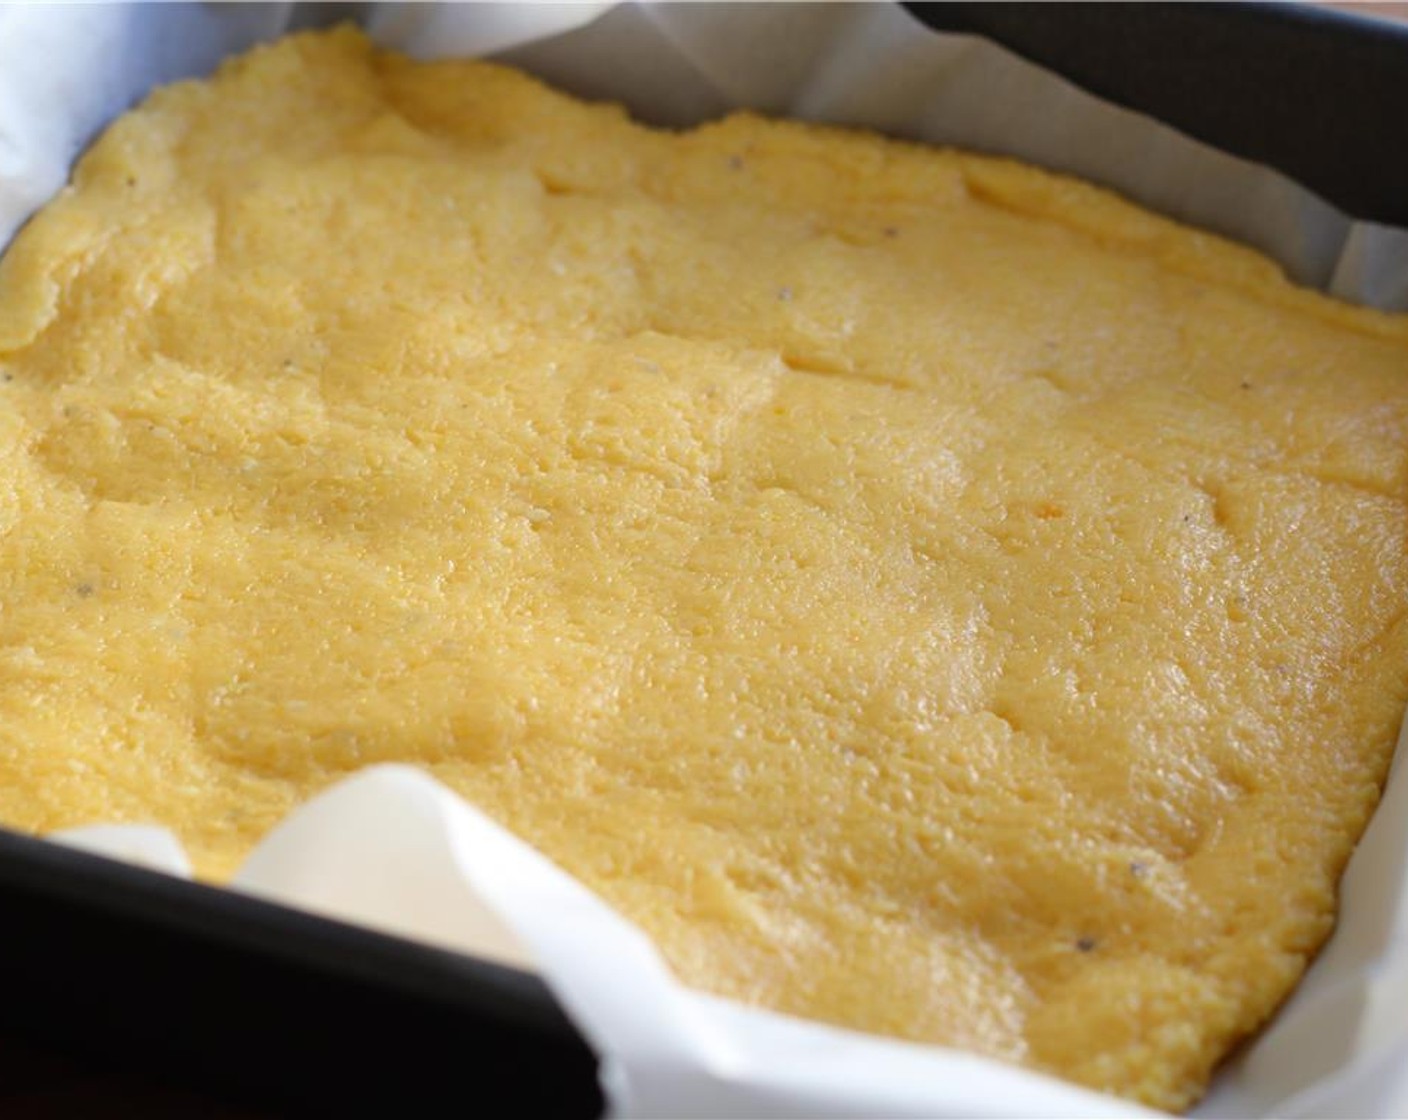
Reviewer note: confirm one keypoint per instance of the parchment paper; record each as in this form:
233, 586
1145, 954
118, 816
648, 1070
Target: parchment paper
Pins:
391, 849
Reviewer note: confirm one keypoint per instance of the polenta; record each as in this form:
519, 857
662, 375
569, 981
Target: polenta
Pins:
925, 593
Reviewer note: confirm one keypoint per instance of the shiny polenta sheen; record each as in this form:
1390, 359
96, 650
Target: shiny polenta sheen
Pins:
925, 593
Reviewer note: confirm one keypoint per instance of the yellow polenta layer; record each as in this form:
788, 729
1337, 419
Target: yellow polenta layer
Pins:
925, 593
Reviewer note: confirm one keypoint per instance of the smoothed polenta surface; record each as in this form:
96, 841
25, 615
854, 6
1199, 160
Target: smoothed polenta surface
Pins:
924, 593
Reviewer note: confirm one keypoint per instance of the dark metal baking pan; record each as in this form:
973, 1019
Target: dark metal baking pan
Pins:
276, 1009
1318, 94
267, 1006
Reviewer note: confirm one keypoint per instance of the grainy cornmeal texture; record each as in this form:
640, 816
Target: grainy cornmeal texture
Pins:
925, 593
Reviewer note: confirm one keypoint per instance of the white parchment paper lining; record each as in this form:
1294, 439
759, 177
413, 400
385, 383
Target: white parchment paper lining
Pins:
392, 849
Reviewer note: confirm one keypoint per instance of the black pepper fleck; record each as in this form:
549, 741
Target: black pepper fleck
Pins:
735, 163
891, 231
84, 590
1138, 870
1085, 944
1246, 384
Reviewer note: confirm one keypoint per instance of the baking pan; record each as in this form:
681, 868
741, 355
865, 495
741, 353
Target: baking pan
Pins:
283, 1011
1318, 94
267, 1006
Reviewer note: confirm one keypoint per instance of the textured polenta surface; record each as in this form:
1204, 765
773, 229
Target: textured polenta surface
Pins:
925, 593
